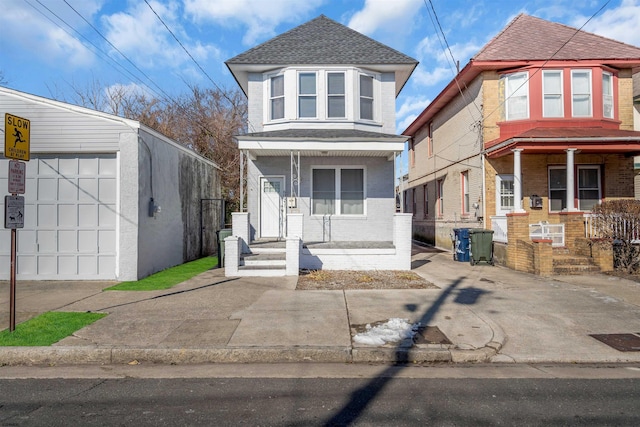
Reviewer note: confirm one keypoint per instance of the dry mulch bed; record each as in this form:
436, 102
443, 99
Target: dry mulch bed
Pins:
372, 279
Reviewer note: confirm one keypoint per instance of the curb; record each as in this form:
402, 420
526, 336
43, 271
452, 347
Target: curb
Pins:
41, 356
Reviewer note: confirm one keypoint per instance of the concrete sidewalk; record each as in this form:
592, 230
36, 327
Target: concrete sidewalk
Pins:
488, 314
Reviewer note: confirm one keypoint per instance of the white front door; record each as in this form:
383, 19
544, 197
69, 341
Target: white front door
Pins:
271, 192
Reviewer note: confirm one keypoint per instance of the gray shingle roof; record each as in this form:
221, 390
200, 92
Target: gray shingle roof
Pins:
321, 134
531, 38
321, 41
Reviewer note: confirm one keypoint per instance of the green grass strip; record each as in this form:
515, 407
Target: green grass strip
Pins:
47, 328
170, 277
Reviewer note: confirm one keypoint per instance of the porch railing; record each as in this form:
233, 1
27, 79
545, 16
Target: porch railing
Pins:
596, 227
499, 227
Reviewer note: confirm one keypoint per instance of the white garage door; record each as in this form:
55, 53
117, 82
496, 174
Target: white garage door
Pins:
70, 219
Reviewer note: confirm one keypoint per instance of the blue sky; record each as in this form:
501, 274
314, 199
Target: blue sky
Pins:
49, 46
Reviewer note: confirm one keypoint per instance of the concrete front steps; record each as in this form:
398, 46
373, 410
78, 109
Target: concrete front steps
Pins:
265, 259
564, 263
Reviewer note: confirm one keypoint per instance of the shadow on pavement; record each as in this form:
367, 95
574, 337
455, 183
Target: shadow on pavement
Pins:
164, 295
361, 398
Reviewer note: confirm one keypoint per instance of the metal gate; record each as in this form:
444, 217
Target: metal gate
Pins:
212, 217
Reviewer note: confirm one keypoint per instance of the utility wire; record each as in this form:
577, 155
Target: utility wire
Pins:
188, 53
105, 56
117, 50
436, 154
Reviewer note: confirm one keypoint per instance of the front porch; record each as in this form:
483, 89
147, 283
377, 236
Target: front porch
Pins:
287, 256
568, 245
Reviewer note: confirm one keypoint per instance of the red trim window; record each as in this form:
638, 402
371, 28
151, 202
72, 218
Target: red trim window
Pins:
430, 140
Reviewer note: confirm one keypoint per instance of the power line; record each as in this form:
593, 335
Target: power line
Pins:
188, 53
96, 50
117, 50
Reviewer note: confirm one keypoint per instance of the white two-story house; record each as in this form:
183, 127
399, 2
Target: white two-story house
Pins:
320, 150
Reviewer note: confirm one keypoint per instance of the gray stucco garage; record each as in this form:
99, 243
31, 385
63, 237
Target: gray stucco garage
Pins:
90, 184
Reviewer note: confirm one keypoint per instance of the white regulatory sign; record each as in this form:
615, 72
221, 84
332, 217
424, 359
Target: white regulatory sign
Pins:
17, 171
13, 212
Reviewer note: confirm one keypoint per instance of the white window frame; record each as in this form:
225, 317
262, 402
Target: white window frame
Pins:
338, 189
343, 95
608, 99
440, 196
307, 95
372, 97
272, 98
521, 91
589, 94
464, 183
546, 93
500, 208
579, 188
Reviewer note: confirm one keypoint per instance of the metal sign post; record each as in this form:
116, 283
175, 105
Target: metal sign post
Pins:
17, 140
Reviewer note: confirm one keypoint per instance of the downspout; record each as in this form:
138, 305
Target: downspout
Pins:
483, 192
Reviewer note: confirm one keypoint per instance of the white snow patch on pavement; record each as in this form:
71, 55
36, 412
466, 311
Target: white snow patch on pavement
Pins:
393, 330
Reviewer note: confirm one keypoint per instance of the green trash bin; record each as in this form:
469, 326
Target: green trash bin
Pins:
222, 234
480, 246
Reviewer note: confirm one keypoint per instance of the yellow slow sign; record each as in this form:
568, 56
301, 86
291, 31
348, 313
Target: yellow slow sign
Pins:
17, 133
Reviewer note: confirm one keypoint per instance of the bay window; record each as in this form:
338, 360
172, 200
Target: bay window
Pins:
516, 87
581, 93
552, 105
335, 95
607, 95
307, 95
366, 97
277, 97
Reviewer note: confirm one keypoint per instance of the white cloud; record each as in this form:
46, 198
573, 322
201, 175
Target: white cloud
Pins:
409, 110
424, 77
384, 15
27, 31
141, 36
260, 16
620, 23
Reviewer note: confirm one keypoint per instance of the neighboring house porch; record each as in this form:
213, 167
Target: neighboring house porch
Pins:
545, 182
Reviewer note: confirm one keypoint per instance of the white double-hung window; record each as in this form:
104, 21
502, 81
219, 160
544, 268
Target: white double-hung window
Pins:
277, 97
366, 97
337, 191
516, 91
581, 93
307, 95
552, 105
607, 95
336, 95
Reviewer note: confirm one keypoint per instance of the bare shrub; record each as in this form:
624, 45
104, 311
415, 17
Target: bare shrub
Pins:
618, 222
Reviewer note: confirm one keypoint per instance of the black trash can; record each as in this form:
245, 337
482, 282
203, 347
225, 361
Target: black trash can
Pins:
461, 244
222, 234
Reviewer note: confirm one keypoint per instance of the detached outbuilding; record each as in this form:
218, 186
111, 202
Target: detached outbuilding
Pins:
106, 198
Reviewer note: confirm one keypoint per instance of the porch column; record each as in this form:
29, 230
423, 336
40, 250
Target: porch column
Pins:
571, 204
241, 181
517, 181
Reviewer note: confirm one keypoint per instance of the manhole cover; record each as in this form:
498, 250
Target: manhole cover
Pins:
430, 335
621, 342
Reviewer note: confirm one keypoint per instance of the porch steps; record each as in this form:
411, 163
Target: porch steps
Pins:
573, 264
264, 260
